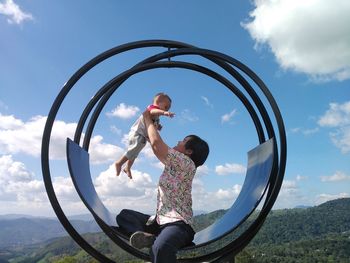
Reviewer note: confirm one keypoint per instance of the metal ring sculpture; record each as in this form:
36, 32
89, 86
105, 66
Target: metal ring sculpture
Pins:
162, 60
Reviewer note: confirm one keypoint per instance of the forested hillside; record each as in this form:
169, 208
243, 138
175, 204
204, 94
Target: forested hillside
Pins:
315, 234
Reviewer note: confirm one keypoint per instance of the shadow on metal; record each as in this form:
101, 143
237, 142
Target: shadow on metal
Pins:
266, 162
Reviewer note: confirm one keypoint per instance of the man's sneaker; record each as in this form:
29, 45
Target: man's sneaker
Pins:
142, 239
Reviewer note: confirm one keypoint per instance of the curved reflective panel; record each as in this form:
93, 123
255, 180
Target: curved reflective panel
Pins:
79, 168
260, 161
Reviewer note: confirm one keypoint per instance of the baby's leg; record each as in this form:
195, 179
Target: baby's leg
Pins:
119, 164
136, 144
127, 168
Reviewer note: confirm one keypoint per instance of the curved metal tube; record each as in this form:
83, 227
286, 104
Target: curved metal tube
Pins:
101, 97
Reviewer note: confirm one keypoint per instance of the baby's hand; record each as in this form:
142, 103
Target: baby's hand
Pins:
169, 114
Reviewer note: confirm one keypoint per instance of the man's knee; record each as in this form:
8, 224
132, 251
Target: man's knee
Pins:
122, 212
164, 252
122, 215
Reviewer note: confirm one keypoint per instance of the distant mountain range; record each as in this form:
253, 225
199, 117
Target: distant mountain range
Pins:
83, 217
20, 231
317, 234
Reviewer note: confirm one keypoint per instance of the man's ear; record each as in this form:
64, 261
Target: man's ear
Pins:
188, 152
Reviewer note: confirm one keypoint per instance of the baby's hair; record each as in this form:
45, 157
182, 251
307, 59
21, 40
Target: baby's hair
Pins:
162, 95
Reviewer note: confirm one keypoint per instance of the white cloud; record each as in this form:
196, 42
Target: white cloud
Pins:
25, 137
109, 185
296, 130
14, 13
338, 118
290, 196
338, 115
289, 189
230, 168
228, 116
204, 200
9, 122
102, 152
13, 171
305, 132
116, 130
328, 197
19, 188
228, 194
17, 136
158, 165
124, 111
339, 176
289, 185
202, 171
31, 198
65, 190
341, 139
28, 192
125, 140
118, 192
148, 152
60, 132
305, 36
207, 102
188, 116
3, 105
310, 131
17, 183
301, 178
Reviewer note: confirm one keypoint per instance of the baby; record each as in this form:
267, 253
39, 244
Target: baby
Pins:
138, 134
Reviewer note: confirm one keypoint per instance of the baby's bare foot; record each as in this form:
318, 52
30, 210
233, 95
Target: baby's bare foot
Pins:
128, 172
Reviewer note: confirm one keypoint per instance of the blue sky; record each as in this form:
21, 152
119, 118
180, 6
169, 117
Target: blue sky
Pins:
300, 50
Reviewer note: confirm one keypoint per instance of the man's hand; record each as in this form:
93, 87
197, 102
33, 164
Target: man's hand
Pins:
160, 149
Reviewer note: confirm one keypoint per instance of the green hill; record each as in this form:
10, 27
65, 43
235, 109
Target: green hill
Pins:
332, 217
315, 234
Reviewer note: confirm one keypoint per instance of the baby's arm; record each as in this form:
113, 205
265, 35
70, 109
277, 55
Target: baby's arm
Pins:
159, 112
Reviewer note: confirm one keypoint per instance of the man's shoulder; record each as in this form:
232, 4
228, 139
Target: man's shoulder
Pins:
180, 157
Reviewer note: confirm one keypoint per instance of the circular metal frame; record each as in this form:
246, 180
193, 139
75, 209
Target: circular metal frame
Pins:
162, 60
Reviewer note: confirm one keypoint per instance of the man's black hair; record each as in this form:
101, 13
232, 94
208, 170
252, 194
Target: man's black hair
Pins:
199, 147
